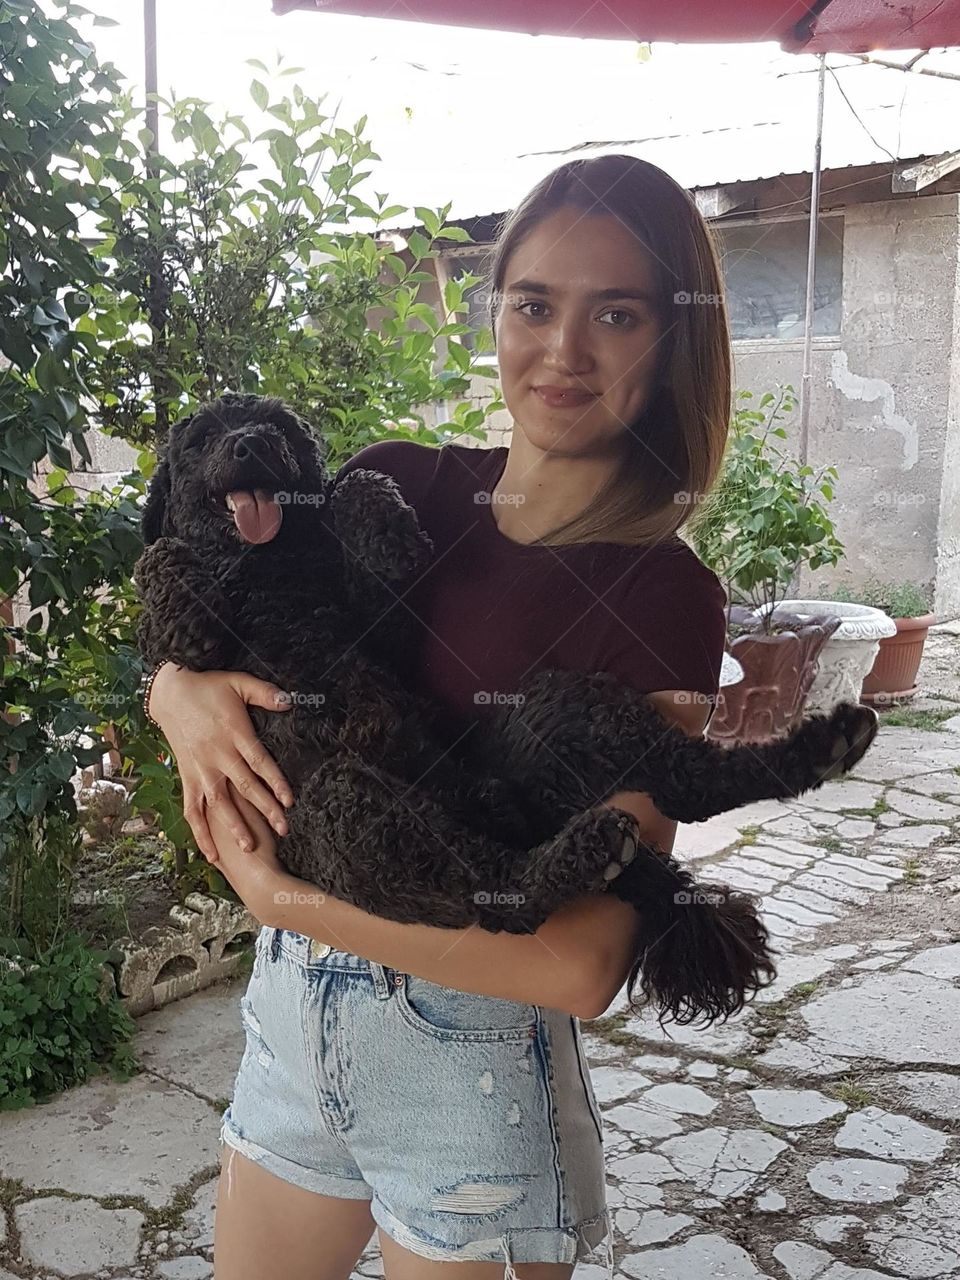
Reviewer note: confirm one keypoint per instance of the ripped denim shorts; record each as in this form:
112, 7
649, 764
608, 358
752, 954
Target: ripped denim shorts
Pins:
469, 1122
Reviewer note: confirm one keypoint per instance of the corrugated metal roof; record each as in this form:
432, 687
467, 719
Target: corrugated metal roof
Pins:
707, 115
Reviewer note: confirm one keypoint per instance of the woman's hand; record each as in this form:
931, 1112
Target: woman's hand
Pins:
257, 876
204, 718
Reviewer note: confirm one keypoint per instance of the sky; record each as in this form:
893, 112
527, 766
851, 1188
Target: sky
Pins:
435, 96
477, 116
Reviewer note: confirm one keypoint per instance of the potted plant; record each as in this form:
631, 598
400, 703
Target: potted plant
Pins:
849, 652
893, 676
765, 519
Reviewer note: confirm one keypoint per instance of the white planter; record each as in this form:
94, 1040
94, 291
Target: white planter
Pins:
848, 655
731, 671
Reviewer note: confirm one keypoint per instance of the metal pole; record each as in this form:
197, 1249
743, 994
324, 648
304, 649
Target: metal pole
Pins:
150, 80
811, 269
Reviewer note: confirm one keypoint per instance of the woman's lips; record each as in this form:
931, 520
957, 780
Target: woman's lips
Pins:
563, 399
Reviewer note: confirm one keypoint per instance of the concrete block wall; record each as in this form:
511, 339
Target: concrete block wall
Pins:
885, 396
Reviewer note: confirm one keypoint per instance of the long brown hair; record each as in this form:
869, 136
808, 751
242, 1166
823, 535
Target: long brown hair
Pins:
676, 446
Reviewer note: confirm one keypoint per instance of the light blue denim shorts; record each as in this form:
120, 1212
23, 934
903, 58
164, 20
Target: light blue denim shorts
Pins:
469, 1122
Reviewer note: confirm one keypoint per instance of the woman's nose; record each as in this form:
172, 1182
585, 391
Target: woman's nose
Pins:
567, 349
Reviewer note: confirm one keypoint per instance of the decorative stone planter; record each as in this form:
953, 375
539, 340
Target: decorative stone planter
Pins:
203, 944
779, 671
849, 653
893, 676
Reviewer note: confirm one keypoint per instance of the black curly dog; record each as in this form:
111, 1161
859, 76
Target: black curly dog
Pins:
256, 561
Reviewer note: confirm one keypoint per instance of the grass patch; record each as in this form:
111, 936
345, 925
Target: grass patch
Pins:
907, 718
851, 1094
874, 811
748, 836
803, 989
740, 1063
777, 1130
611, 1029
911, 871
10, 1191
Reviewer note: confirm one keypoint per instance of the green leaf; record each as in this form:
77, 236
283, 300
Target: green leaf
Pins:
48, 371
258, 92
62, 765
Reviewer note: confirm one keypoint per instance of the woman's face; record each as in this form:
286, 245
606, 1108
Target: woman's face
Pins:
570, 317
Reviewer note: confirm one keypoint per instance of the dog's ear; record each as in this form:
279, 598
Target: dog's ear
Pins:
153, 516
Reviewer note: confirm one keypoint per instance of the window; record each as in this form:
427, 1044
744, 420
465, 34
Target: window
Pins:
765, 277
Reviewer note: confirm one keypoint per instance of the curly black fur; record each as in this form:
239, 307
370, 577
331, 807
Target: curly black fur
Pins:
387, 816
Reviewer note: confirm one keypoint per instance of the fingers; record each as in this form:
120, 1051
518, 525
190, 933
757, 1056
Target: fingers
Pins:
261, 693
262, 763
249, 785
216, 798
195, 813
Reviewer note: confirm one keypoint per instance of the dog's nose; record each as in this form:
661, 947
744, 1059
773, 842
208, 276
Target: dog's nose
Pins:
249, 446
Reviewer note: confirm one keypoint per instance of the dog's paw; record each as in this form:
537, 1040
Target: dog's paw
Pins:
850, 729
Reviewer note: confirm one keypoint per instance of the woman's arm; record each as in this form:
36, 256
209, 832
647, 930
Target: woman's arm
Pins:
576, 961
556, 966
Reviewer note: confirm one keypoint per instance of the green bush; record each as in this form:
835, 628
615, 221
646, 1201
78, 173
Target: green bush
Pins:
232, 268
767, 516
896, 599
61, 553
56, 1027
136, 287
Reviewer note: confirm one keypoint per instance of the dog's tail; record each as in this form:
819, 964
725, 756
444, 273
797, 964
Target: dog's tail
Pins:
703, 948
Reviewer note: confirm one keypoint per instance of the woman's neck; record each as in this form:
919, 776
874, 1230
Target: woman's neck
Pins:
540, 491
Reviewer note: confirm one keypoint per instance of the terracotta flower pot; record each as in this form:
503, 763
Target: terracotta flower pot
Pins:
893, 676
779, 670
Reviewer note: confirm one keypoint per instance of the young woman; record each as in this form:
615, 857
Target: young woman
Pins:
428, 1081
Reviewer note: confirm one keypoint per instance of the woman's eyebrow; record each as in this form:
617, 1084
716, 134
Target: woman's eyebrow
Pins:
599, 295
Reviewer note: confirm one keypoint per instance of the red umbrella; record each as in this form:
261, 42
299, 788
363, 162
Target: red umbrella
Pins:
823, 26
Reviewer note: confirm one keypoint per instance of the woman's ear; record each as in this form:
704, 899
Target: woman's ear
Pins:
153, 516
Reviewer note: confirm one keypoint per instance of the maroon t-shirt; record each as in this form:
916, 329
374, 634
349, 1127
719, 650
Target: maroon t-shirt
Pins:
494, 611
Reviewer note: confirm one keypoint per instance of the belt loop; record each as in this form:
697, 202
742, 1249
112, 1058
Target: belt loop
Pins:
275, 944
381, 983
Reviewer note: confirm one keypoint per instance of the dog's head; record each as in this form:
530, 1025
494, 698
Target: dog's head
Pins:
242, 470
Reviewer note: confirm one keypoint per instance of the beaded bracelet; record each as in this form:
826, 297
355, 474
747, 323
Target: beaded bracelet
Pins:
147, 686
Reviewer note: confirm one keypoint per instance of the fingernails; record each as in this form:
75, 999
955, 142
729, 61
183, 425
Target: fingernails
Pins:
246, 846
286, 798
280, 828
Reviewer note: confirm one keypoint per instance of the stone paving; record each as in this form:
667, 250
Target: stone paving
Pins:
813, 1137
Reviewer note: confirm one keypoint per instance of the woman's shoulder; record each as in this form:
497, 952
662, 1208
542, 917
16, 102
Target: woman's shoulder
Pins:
669, 567
670, 620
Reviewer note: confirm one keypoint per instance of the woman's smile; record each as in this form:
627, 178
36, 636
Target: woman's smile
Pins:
556, 399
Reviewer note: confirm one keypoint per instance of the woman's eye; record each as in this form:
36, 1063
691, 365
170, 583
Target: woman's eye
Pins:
617, 312
623, 324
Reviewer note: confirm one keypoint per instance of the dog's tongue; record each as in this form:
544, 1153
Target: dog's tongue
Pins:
257, 515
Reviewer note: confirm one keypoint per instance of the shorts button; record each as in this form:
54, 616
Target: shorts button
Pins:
319, 949
398, 979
